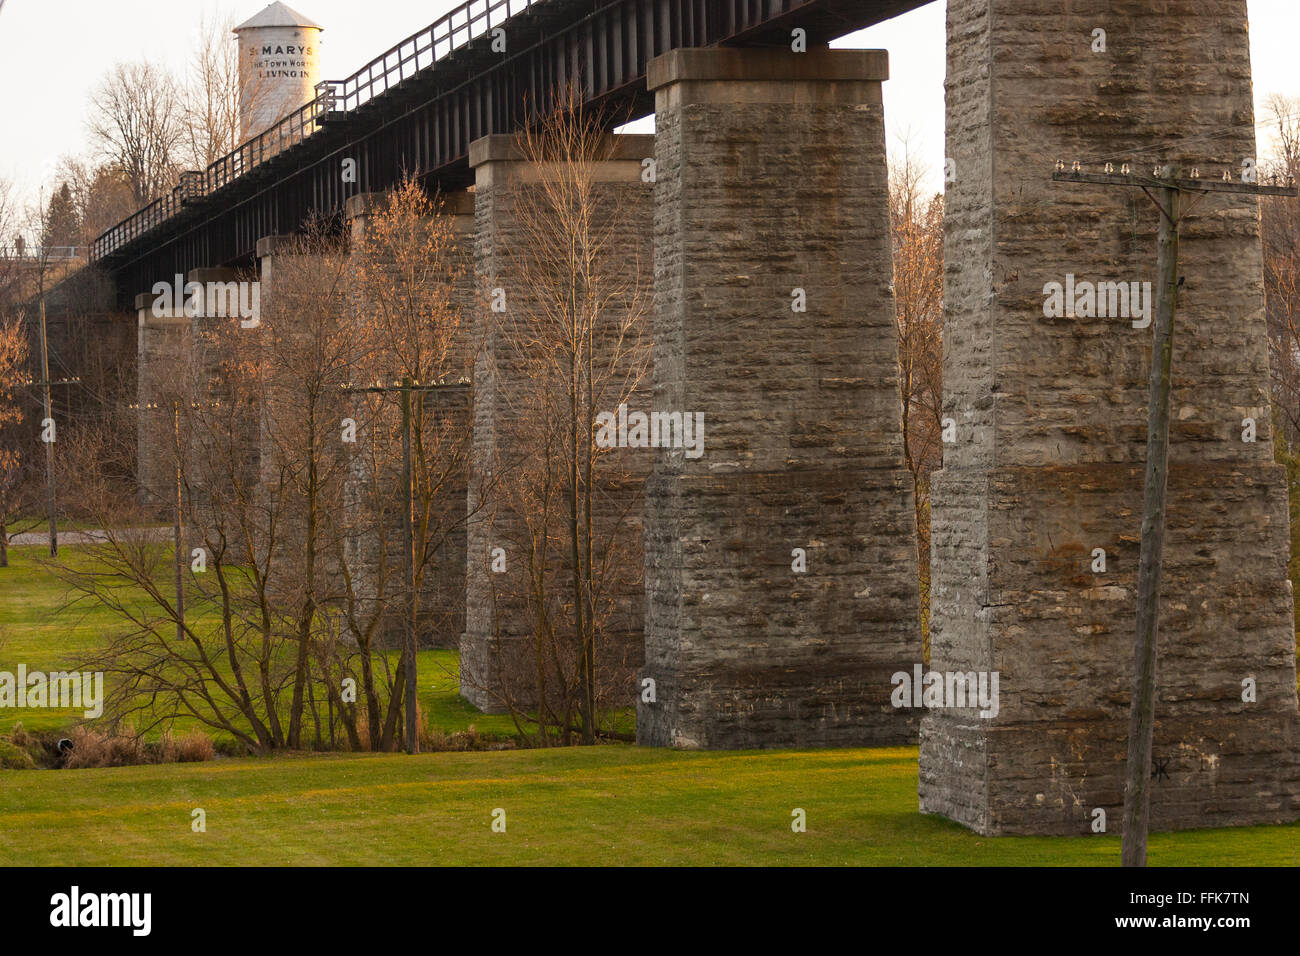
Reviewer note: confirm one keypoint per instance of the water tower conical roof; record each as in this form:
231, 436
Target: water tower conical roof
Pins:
279, 15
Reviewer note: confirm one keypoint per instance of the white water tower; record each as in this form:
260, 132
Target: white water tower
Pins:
279, 66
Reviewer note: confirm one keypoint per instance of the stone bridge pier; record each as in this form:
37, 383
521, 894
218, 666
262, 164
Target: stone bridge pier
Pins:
186, 341
162, 359
222, 423
1037, 511
781, 572
515, 448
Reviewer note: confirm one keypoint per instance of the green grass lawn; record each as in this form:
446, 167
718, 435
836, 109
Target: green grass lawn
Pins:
597, 805
33, 632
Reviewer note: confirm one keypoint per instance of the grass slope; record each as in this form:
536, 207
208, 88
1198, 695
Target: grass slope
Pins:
600, 805
32, 631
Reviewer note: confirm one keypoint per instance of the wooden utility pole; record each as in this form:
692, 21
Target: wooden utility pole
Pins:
1142, 711
178, 511
48, 422
177, 526
47, 404
1165, 188
405, 387
408, 527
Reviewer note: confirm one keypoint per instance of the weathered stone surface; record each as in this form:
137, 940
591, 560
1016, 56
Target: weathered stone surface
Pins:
771, 178
498, 651
1049, 459
162, 359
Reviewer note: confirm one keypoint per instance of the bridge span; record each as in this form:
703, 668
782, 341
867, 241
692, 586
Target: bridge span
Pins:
418, 106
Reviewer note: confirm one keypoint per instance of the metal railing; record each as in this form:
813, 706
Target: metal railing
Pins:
413, 55
49, 253
458, 28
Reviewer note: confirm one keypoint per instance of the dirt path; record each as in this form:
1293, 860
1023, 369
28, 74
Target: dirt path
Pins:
79, 537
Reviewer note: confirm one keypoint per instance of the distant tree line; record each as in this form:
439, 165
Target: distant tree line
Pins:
144, 126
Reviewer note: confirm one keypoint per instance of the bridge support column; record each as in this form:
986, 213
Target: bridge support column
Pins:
441, 617
162, 355
512, 437
1037, 511
224, 429
303, 295
214, 321
781, 572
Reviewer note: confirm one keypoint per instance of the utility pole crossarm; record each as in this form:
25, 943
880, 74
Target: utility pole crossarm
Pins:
58, 381
1183, 183
400, 387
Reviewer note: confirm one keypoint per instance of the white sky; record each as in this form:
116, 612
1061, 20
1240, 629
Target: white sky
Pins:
53, 52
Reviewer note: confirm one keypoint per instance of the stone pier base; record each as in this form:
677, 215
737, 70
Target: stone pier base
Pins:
1060, 636
781, 573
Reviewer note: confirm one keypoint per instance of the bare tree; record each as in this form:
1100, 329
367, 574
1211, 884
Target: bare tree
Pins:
253, 429
1280, 234
211, 633
14, 370
577, 342
916, 226
137, 124
410, 328
211, 96
1280, 230
11, 267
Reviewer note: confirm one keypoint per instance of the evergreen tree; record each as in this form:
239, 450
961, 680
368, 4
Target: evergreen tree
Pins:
62, 224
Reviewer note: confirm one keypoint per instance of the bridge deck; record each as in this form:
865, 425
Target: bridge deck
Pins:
418, 106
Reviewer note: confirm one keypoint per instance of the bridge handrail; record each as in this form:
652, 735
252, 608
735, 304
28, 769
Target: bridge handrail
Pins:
34, 253
416, 53
457, 28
